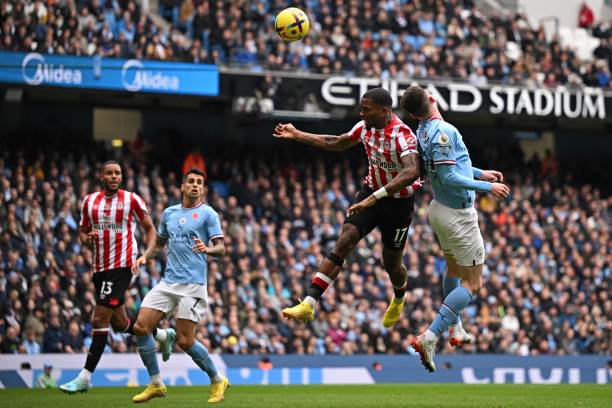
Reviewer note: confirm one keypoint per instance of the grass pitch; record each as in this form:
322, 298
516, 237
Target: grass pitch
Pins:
439, 395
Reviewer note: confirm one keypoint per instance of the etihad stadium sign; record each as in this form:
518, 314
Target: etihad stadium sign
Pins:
584, 103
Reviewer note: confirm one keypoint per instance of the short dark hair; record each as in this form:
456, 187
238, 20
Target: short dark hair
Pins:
415, 101
379, 96
194, 171
108, 163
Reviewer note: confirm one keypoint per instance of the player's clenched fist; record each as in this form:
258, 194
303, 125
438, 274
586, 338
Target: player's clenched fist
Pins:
284, 131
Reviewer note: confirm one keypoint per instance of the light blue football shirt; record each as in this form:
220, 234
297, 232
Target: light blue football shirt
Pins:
180, 225
441, 144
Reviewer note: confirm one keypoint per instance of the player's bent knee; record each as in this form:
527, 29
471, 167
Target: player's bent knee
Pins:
184, 343
140, 329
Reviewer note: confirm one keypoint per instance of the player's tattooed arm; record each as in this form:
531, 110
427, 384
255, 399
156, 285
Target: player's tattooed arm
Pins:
407, 176
325, 142
152, 251
217, 248
410, 171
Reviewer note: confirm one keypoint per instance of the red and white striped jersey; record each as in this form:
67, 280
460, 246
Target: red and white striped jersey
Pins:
115, 220
384, 148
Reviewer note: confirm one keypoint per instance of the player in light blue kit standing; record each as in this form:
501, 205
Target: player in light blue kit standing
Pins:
185, 227
451, 214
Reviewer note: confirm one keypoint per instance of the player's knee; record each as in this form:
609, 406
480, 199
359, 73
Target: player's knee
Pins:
100, 322
349, 237
184, 342
140, 329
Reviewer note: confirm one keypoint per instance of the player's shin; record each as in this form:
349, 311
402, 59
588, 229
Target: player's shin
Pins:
449, 312
330, 268
448, 285
200, 356
95, 352
147, 348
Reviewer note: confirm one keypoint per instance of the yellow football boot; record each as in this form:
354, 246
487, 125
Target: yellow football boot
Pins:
302, 311
393, 313
152, 391
217, 390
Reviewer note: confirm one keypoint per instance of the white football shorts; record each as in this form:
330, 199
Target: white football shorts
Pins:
458, 233
165, 298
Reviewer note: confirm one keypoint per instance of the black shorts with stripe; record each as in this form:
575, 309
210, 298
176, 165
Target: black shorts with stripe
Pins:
392, 216
111, 286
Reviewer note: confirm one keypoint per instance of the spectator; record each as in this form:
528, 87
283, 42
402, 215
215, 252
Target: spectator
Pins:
548, 266
586, 18
30, 344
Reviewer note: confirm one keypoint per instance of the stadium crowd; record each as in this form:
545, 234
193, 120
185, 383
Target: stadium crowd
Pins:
547, 274
396, 38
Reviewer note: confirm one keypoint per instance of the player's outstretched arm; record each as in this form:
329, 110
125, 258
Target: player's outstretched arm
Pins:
488, 175
325, 142
408, 176
450, 177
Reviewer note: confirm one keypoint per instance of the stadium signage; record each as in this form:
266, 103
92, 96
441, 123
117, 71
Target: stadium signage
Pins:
35, 69
135, 78
587, 103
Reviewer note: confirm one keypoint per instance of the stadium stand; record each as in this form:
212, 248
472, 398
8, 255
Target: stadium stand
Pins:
400, 39
547, 286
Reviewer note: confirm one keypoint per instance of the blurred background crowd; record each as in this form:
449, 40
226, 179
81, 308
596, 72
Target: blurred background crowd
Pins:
401, 39
547, 274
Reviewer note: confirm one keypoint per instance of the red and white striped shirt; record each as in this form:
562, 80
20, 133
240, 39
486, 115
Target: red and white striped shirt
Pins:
115, 220
384, 148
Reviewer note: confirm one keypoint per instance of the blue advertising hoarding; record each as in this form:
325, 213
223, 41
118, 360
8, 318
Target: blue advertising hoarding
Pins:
127, 369
129, 75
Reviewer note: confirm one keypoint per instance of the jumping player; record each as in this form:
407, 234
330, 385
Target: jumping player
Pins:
186, 228
108, 222
451, 214
393, 162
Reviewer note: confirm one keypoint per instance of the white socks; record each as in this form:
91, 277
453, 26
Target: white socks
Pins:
216, 379
430, 336
311, 301
85, 375
156, 380
161, 335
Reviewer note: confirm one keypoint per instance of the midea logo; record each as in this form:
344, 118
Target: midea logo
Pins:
135, 78
36, 71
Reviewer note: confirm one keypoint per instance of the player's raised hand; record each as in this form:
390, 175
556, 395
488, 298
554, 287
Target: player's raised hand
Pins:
284, 131
492, 176
199, 247
500, 190
362, 205
136, 265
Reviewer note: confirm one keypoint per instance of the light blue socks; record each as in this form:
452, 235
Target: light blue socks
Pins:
450, 310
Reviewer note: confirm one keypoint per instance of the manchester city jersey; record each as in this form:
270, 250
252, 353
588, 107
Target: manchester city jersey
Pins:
180, 225
441, 144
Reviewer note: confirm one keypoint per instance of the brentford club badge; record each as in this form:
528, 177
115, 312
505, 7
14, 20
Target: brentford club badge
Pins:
387, 145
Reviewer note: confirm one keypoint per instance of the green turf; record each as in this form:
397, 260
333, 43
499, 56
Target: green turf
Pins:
455, 395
